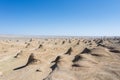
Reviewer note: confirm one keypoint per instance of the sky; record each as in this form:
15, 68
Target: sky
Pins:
60, 17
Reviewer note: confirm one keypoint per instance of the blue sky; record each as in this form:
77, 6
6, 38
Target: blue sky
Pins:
60, 17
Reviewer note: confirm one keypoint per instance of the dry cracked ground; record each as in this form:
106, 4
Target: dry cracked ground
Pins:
60, 59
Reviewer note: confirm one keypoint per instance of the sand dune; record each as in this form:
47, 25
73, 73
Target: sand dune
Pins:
60, 59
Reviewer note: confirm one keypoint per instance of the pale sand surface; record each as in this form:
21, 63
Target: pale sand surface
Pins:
67, 58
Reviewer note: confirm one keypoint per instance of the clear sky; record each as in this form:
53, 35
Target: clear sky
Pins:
60, 17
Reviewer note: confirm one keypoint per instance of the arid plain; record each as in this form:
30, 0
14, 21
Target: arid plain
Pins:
67, 58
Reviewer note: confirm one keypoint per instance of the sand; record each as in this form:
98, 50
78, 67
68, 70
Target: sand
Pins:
67, 58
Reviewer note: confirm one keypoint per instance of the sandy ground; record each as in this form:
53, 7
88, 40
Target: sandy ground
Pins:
60, 59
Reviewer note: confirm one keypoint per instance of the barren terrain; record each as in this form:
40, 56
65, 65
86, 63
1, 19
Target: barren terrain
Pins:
70, 58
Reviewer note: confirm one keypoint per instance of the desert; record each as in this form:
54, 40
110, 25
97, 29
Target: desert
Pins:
60, 58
